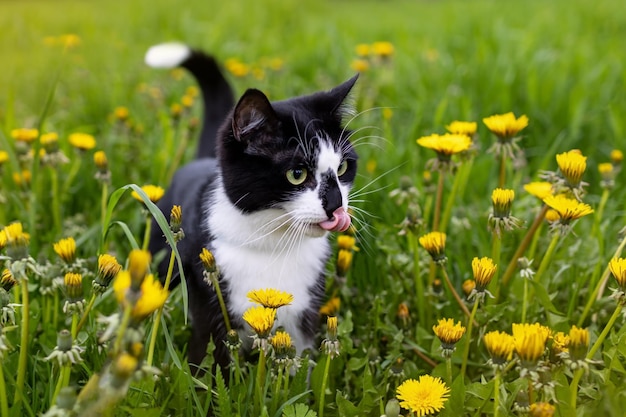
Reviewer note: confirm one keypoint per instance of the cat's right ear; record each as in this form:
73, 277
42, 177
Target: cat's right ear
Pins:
253, 115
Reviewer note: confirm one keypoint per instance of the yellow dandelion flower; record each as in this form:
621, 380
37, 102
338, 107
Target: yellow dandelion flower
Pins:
7, 280
360, 65
542, 409
101, 161
236, 67
448, 332
605, 168
187, 101
208, 260
578, 343
552, 216
617, 266
138, 265
121, 113
261, 319
500, 346
484, 269
468, 286
150, 297
382, 49
363, 50
435, 245
344, 261
192, 91
617, 156
82, 141
154, 193
281, 342
424, 396
4, 156
560, 341
462, 128
505, 126
14, 235
270, 297
502, 200
66, 249
331, 307
530, 342
403, 312
572, 165
108, 268
73, 285
331, 327
447, 144
347, 242
25, 135
22, 179
49, 139
568, 208
69, 40
539, 189
125, 365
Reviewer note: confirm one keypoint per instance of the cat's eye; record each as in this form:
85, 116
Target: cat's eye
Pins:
297, 176
343, 167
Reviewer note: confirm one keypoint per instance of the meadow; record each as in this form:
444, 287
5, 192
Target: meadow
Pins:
419, 319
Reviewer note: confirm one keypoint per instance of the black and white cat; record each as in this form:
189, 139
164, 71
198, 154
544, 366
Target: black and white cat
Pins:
271, 180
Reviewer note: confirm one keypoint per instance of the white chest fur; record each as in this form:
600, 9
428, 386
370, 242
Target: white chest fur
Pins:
255, 251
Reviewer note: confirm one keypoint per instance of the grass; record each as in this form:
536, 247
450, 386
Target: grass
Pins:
560, 63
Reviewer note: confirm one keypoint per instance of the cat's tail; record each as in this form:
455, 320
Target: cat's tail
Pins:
216, 91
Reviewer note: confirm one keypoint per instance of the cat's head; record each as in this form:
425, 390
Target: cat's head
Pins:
293, 155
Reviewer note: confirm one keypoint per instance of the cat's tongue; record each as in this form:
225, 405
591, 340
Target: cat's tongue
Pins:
339, 223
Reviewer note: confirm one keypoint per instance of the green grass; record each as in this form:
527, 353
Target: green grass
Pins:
561, 63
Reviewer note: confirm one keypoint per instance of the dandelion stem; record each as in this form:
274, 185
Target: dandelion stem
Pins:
496, 394
502, 170
447, 212
260, 379
83, 319
592, 352
525, 301
454, 293
103, 211
323, 387
157, 319
220, 299
23, 357
4, 406
279, 382
470, 326
496, 250
56, 207
547, 257
508, 273
449, 370
438, 201
419, 283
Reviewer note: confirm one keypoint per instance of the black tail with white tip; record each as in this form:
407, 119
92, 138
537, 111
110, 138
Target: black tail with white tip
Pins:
217, 93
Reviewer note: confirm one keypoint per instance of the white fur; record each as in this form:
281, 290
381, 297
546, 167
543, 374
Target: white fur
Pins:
255, 251
167, 55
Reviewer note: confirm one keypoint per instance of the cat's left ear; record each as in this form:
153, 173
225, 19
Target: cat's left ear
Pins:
338, 99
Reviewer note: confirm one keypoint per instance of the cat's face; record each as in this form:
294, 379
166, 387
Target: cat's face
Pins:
293, 156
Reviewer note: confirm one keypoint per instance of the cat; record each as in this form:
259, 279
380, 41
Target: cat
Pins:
270, 181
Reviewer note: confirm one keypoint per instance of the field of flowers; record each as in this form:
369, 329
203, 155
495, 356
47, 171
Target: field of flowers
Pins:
485, 274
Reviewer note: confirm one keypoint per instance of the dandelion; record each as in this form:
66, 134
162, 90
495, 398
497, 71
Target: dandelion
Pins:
484, 269
330, 345
505, 126
236, 67
382, 49
424, 396
138, 265
462, 128
445, 146
66, 249
176, 220
578, 345
617, 266
121, 113
82, 141
153, 192
617, 157
530, 343
260, 319
568, 209
4, 157
558, 347
448, 334
500, 346
108, 268
331, 307
468, 286
15, 240
73, 284
7, 280
403, 313
435, 244
572, 165
539, 189
270, 297
500, 217
363, 50
65, 352
124, 366
282, 346
25, 135
360, 65
101, 161
150, 297
607, 172
344, 262
542, 409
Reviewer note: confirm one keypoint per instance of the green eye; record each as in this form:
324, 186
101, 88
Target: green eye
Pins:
342, 168
297, 176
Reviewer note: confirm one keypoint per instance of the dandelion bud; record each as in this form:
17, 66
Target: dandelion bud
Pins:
331, 327
101, 161
175, 221
15, 240
208, 260
123, 367
331, 345
572, 165
484, 269
435, 244
617, 266
403, 313
578, 343
66, 249
73, 286
108, 268
233, 342
392, 408
346, 242
617, 157
281, 342
121, 113
448, 334
64, 340
500, 346
344, 261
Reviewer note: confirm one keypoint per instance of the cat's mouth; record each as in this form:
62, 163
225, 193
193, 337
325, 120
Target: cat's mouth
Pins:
340, 222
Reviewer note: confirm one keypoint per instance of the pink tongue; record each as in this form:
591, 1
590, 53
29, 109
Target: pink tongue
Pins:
339, 223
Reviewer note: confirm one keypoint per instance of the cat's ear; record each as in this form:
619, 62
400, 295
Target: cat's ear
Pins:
253, 115
339, 101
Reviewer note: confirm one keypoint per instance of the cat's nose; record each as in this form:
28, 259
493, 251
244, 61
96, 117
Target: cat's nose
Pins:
330, 194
